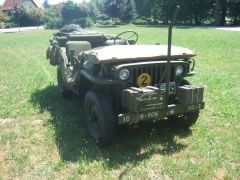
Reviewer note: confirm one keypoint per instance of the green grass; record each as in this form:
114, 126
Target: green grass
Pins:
43, 135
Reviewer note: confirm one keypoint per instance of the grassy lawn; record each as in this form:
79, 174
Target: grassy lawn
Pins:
43, 135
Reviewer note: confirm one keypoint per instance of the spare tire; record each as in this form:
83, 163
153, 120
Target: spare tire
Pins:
70, 28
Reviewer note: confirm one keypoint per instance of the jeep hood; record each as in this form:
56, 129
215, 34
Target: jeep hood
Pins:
124, 53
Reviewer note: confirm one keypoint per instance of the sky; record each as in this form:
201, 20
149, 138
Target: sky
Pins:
50, 1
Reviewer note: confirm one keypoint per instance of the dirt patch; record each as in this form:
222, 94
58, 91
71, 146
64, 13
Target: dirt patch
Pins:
220, 174
6, 121
38, 123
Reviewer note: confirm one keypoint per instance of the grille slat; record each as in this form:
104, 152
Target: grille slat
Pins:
156, 74
162, 75
156, 71
151, 72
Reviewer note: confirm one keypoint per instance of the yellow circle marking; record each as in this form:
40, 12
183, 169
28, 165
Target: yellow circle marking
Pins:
144, 80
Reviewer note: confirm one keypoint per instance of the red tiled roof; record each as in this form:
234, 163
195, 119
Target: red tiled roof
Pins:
9, 4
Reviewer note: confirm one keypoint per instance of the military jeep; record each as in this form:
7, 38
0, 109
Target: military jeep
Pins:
124, 83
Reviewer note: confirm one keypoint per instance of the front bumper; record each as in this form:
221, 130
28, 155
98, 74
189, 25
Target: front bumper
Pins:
150, 103
173, 109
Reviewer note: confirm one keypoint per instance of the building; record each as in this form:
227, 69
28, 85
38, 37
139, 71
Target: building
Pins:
10, 5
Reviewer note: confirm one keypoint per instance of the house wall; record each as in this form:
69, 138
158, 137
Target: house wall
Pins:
27, 4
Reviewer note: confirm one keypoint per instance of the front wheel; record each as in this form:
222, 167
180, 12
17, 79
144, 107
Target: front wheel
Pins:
66, 93
185, 120
99, 117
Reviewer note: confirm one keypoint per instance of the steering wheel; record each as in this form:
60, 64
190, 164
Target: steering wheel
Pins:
130, 37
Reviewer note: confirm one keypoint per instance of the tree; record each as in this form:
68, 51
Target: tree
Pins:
46, 4
17, 13
52, 18
123, 9
191, 12
3, 17
93, 10
35, 15
220, 12
234, 11
144, 7
113, 8
155, 12
128, 10
72, 12
99, 4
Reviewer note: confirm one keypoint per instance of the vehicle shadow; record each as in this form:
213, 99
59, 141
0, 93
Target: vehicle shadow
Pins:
132, 144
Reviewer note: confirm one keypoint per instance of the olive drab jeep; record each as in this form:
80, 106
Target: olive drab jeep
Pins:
125, 83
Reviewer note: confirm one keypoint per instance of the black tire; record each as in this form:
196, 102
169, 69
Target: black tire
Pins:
99, 117
65, 93
48, 52
184, 82
185, 120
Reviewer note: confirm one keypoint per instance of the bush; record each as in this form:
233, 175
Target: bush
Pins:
89, 22
105, 23
53, 23
2, 25
103, 17
4, 17
28, 17
140, 21
52, 19
10, 25
117, 21
83, 22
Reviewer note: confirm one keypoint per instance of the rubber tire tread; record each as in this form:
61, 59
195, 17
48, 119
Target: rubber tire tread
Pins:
106, 116
191, 119
65, 93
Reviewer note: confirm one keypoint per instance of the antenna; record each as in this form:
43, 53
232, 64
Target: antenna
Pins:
173, 20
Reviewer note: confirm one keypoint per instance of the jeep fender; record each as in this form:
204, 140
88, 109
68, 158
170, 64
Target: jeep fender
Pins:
67, 72
98, 80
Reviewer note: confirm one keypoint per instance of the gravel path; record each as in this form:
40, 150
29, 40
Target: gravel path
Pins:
21, 29
229, 28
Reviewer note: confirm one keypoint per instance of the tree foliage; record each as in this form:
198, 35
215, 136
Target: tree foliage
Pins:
122, 9
72, 12
192, 12
128, 10
234, 11
46, 4
36, 15
4, 17
113, 8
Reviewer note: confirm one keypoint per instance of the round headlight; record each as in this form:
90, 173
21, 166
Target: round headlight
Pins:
179, 70
124, 74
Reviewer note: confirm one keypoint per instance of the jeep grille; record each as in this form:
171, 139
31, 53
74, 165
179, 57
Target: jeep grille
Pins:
157, 71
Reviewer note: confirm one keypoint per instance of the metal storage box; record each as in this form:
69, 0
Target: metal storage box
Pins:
190, 94
143, 99
75, 47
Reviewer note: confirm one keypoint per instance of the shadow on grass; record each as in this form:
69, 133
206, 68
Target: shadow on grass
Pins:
132, 144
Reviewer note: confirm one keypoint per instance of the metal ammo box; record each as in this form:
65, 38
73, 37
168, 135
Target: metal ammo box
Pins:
143, 99
190, 94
